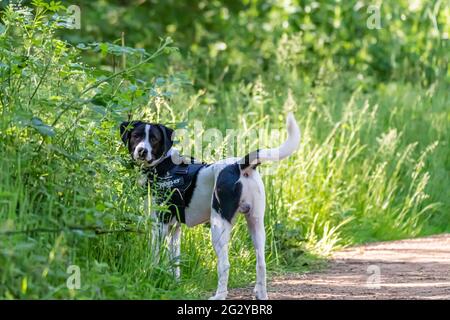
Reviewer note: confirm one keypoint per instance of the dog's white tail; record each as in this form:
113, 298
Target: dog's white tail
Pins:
276, 154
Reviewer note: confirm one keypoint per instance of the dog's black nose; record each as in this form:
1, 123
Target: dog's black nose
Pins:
142, 152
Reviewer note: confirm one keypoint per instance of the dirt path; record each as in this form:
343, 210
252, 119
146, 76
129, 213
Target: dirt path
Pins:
408, 269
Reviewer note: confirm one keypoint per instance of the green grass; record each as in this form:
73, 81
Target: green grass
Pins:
374, 164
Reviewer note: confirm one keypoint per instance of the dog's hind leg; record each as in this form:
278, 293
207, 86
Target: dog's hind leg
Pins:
256, 227
255, 223
225, 204
220, 234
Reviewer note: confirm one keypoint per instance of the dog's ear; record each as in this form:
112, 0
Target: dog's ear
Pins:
125, 129
167, 137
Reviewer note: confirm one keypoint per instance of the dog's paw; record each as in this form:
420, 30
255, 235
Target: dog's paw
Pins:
260, 293
219, 296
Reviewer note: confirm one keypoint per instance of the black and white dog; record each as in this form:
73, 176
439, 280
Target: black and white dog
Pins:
197, 193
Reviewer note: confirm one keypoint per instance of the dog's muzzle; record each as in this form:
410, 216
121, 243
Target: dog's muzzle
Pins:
142, 152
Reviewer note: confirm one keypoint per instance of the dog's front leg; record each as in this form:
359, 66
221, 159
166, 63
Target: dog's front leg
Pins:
160, 231
220, 234
163, 235
175, 244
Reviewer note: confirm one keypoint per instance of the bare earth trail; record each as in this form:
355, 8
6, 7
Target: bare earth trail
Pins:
408, 269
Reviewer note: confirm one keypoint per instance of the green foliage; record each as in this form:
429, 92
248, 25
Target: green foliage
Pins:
372, 105
236, 40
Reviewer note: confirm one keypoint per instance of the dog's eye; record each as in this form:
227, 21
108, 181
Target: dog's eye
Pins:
153, 140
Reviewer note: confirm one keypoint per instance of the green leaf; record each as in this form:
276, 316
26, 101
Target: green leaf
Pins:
42, 128
46, 130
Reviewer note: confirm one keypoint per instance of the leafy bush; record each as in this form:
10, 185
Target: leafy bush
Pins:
232, 40
64, 183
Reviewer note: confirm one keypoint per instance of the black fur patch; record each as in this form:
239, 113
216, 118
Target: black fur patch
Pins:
126, 128
250, 160
190, 190
228, 192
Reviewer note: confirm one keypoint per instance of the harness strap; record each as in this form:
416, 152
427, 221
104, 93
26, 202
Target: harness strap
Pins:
178, 180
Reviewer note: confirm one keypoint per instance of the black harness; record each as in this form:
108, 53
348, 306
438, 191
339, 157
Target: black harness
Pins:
173, 185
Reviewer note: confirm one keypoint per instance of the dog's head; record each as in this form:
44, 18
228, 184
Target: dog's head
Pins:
146, 142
